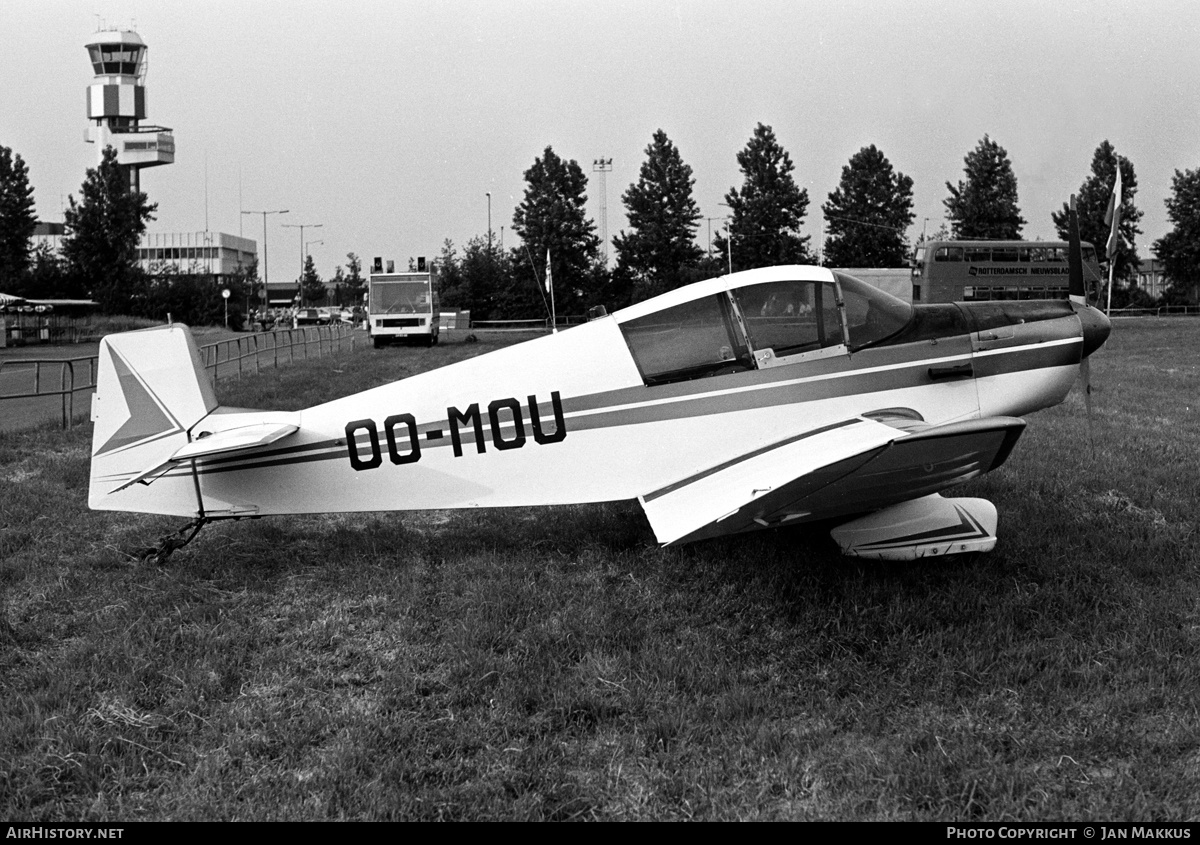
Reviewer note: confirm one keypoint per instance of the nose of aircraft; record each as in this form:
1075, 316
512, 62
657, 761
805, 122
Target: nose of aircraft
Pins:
1096, 328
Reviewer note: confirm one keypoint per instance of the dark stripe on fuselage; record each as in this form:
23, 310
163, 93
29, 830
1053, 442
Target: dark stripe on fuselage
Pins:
788, 390
868, 371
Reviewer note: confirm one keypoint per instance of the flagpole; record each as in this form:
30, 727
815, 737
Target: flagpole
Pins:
1112, 217
1108, 307
550, 287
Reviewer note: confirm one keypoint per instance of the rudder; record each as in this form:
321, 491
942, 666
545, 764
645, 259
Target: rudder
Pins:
151, 388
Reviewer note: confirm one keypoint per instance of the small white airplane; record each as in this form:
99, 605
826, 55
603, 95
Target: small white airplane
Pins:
768, 397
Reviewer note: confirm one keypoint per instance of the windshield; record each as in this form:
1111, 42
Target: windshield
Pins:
400, 298
871, 314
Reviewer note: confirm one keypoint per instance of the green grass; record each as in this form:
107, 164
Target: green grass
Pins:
556, 664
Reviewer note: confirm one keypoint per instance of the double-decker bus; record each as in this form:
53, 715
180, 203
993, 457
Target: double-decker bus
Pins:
971, 271
402, 306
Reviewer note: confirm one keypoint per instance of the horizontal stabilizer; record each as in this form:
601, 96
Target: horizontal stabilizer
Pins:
240, 439
235, 440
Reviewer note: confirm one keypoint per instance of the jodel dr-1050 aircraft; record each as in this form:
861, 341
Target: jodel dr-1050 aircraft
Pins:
767, 397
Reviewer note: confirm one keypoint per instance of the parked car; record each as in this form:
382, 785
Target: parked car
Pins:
311, 317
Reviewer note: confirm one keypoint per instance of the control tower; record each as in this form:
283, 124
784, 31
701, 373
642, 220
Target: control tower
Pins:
116, 105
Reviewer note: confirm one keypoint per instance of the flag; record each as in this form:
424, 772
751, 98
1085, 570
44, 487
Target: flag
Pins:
549, 280
1112, 217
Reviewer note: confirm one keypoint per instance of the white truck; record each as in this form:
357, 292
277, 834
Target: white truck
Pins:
402, 306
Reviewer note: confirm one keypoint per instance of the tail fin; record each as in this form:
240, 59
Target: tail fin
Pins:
151, 388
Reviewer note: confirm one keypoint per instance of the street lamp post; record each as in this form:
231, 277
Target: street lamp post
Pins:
489, 198
729, 246
300, 278
308, 252
728, 236
264, 216
709, 220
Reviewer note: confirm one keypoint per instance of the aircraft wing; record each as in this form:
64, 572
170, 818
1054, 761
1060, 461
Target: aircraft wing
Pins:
857, 465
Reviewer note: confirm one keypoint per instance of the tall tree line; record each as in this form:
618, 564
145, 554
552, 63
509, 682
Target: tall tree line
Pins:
866, 219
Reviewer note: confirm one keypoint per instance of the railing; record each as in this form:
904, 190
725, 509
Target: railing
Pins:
536, 324
1159, 311
67, 387
229, 357
224, 359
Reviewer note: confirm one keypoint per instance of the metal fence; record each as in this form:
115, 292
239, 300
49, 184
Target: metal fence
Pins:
64, 377
534, 325
1161, 311
237, 355
68, 386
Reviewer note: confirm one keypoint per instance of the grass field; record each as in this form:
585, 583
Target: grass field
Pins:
556, 664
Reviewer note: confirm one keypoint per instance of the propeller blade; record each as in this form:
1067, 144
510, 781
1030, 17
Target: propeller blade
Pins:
1075, 285
1085, 370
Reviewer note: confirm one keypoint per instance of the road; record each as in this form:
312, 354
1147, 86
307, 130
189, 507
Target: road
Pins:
17, 414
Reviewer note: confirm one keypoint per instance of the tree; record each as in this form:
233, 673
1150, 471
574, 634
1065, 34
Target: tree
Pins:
1179, 249
191, 298
867, 215
47, 277
103, 230
1092, 204
338, 283
353, 281
484, 279
17, 219
767, 212
985, 205
312, 289
663, 218
452, 290
249, 284
941, 233
553, 217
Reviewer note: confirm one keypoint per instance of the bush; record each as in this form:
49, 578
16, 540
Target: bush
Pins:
192, 299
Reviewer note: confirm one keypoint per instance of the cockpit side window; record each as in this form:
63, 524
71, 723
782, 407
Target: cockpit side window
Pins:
790, 317
871, 314
692, 340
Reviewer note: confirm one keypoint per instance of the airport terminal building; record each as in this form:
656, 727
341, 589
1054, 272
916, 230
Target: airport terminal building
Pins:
196, 253
186, 253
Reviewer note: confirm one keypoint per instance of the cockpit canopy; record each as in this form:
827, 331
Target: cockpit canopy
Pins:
755, 320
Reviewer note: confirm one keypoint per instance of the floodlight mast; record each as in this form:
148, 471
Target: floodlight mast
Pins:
603, 166
264, 217
300, 278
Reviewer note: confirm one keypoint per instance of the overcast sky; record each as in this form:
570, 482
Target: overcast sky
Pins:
388, 122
